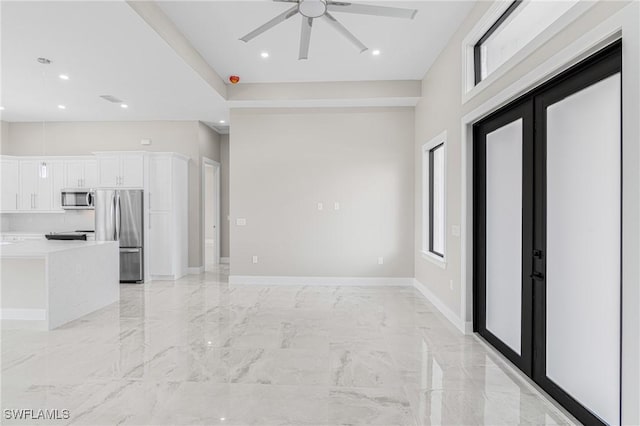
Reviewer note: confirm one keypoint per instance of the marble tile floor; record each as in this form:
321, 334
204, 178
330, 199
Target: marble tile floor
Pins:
196, 351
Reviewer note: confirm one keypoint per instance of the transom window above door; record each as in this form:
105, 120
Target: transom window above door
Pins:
520, 23
508, 33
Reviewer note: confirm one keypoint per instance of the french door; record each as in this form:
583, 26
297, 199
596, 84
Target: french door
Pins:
547, 235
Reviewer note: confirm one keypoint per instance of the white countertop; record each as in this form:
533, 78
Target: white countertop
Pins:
45, 247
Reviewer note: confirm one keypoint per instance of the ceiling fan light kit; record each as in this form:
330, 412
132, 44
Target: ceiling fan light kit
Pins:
314, 9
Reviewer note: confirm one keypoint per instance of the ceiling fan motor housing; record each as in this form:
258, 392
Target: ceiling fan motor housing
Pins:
312, 8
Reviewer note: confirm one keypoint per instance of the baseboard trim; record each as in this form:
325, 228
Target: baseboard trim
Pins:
319, 281
464, 327
195, 270
23, 314
224, 260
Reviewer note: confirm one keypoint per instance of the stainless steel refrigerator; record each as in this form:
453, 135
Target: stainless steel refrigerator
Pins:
119, 217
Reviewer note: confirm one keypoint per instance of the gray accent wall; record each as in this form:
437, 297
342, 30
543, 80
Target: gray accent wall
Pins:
283, 162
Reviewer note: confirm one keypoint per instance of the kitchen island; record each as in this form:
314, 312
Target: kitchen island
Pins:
46, 284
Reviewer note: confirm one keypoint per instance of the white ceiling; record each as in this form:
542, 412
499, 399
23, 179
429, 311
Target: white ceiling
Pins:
106, 49
408, 47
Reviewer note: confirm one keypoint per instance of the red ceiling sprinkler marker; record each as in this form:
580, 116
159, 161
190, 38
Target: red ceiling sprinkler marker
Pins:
234, 79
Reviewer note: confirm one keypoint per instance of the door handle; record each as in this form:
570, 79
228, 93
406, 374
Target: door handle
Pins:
130, 250
538, 276
118, 212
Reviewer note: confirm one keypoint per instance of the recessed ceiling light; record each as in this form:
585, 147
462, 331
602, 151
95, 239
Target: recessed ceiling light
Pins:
375, 52
63, 77
221, 121
62, 107
265, 54
125, 106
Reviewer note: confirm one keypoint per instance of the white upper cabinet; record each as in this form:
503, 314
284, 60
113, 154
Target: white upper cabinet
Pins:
57, 183
10, 189
108, 170
90, 179
132, 170
36, 185
80, 173
120, 170
74, 173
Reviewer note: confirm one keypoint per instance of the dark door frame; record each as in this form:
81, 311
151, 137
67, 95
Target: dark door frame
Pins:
597, 67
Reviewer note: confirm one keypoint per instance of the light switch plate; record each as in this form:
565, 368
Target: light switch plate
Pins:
145, 141
241, 221
320, 206
380, 260
255, 259
336, 206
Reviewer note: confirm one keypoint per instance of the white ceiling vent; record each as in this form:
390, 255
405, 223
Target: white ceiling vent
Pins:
111, 99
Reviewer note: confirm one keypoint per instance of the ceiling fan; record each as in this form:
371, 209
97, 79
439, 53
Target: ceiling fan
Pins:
314, 9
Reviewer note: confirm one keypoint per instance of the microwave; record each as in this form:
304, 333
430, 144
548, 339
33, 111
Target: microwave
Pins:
77, 199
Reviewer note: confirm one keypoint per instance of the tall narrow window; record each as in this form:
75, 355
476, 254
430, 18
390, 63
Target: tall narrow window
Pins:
436, 200
434, 204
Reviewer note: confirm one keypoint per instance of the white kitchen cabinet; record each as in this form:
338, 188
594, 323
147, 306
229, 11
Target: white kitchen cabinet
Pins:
10, 189
160, 239
120, 170
36, 187
160, 183
57, 182
167, 223
132, 170
80, 173
108, 170
90, 173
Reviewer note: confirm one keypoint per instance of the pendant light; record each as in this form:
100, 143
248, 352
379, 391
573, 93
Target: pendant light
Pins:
42, 169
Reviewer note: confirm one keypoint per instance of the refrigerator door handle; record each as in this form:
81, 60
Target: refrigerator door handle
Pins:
129, 250
118, 213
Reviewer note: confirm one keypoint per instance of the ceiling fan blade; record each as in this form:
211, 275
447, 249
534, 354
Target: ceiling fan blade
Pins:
305, 37
345, 32
367, 9
272, 23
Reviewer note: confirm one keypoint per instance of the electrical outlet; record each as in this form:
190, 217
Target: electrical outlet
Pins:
380, 260
255, 259
320, 206
336, 206
241, 221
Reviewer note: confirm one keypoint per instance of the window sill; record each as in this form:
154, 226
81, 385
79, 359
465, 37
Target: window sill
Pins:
436, 260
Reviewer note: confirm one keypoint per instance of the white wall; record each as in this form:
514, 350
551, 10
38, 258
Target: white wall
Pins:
190, 138
283, 162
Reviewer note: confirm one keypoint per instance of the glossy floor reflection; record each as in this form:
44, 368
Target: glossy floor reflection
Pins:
196, 351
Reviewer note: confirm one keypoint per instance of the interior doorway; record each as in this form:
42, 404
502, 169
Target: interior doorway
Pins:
210, 213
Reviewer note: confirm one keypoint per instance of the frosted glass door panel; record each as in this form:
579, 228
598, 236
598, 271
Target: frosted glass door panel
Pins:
504, 234
583, 247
